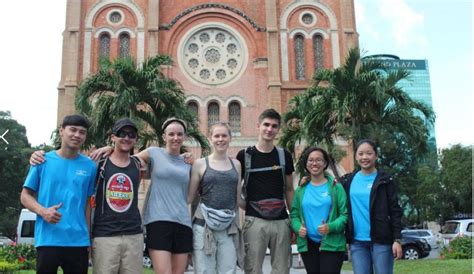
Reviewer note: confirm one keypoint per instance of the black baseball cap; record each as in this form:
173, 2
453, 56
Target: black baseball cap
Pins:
124, 122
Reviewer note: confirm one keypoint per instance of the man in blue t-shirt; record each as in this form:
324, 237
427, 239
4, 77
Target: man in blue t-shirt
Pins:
57, 191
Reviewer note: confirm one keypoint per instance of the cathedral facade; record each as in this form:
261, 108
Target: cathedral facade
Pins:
233, 58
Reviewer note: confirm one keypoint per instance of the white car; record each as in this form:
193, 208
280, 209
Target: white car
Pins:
4, 241
455, 228
422, 234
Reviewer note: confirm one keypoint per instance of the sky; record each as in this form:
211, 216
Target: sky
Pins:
437, 30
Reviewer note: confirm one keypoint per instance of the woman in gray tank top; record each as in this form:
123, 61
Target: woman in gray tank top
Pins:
216, 234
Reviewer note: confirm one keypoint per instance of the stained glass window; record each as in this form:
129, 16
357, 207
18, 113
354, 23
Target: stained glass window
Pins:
193, 107
234, 118
104, 45
124, 45
299, 57
212, 114
318, 52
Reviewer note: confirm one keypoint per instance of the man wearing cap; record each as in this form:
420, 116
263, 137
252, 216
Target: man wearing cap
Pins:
117, 245
57, 191
117, 227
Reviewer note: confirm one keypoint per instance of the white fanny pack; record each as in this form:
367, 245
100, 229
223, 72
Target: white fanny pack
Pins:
217, 219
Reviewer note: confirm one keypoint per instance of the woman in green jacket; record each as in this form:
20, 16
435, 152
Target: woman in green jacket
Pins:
319, 216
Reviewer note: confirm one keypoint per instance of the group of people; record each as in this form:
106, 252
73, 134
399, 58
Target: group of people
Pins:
362, 207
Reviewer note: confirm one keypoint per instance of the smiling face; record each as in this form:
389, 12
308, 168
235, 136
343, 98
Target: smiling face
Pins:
220, 138
268, 129
174, 136
72, 137
125, 139
316, 164
366, 157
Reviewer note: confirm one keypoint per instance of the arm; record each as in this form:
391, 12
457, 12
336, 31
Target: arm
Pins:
290, 191
50, 214
88, 216
196, 176
144, 156
395, 212
339, 224
241, 202
100, 153
296, 222
37, 157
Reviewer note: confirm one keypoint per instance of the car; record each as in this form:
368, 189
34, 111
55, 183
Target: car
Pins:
25, 231
414, 248
423, 234
4, 241
455, 228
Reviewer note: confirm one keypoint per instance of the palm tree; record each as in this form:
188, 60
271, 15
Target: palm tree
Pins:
143, 93
355, 101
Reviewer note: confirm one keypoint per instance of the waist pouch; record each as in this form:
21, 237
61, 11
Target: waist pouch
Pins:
217, 219
268, 208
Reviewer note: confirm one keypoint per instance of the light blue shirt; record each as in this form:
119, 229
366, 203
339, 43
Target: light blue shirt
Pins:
66, 181
360, 201
316, 206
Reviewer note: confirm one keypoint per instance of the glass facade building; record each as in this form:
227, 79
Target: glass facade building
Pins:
417, 85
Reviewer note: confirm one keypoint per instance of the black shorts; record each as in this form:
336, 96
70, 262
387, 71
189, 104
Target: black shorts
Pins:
169, 236
70, 259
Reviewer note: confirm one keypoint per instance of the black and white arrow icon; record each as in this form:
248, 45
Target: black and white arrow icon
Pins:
3, 137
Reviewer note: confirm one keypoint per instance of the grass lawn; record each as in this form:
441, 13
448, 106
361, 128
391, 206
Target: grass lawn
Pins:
429, 266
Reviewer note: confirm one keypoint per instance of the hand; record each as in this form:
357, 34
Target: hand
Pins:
99, 153
397, 250
188, 158
51, 214
323, 229
37, 158
302, 232
303, 180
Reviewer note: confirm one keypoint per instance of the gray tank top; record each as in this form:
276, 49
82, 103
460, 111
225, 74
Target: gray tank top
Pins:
168, 193
219, 188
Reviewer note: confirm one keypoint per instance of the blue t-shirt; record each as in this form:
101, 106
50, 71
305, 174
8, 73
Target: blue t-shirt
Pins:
360, 201
316, 205
66, 181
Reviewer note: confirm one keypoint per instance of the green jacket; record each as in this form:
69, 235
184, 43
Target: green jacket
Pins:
335, 240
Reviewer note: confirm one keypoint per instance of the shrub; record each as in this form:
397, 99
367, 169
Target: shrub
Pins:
6, 267
458, 248
23, 255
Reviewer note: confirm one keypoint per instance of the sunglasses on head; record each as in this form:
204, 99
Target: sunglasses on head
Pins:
130, 134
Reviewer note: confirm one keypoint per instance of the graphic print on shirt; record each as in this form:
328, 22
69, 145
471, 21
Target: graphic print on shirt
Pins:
119, 192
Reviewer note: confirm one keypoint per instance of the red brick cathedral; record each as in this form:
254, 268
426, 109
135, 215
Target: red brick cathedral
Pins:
233, 58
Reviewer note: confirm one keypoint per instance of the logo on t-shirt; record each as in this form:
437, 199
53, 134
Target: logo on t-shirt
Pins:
325, 194
119, 192
370, 185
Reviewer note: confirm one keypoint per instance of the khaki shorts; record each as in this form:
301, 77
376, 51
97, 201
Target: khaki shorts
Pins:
118, 254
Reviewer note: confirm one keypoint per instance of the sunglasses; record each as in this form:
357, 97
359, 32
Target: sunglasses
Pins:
130, 134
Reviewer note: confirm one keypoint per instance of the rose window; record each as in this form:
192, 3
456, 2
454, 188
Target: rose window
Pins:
212, 55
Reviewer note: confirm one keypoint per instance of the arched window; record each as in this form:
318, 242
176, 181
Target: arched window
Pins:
212, 114
124, 49
193, 107
104, 46
299, 57
234, 118
318, 52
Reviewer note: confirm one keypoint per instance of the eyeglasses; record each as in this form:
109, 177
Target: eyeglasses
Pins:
318, 161
130, 134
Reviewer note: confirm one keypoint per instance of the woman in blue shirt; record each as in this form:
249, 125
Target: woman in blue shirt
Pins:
374, 224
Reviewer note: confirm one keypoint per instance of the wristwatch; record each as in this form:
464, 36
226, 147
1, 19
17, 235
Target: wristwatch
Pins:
397, 241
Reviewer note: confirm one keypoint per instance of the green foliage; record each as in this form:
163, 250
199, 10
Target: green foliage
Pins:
458, 248
356, 101
23, 255
6, 267
13, 168
456, 178
143, 93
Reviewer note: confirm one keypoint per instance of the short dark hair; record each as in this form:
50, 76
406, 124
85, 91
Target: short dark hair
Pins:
76, 120
308, 151
271, 114
366, 141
